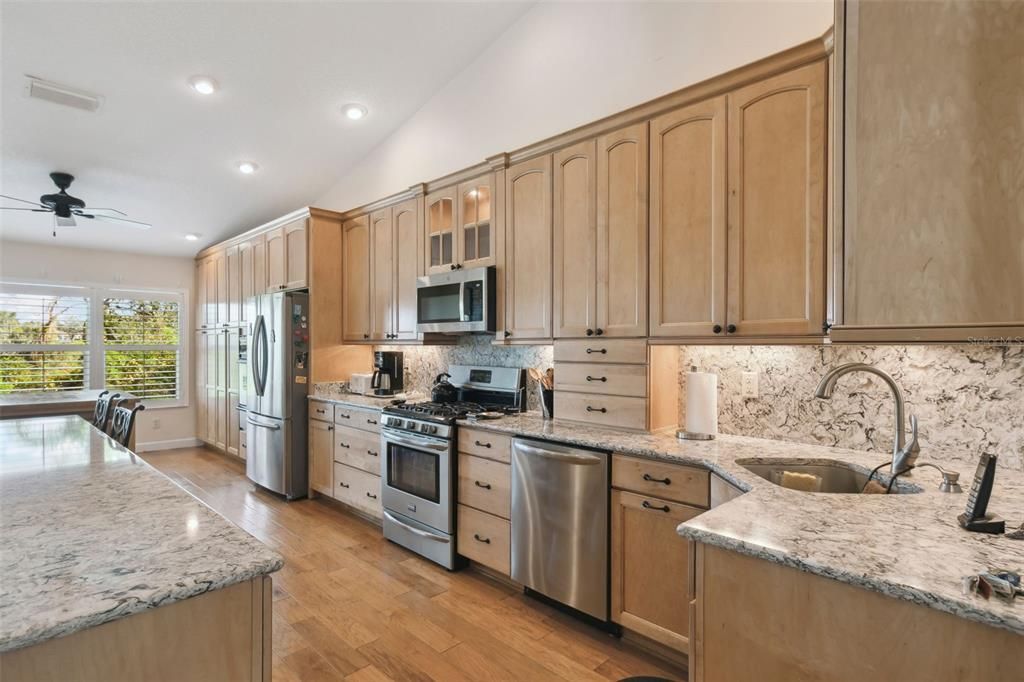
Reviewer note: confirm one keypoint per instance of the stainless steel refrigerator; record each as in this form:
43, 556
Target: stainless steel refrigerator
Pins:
276, 387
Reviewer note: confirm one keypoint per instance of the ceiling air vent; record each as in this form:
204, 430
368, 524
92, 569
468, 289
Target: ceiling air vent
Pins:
61, 94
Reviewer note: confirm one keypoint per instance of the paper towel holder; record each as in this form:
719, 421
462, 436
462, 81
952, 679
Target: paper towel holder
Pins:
690, 435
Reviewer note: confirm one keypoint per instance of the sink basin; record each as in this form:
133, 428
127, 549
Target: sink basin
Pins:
835, 476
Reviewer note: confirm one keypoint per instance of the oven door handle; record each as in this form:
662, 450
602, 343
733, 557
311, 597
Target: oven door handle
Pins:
416, 531
399, 438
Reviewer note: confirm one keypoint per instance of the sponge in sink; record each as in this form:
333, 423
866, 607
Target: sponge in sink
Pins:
797, 481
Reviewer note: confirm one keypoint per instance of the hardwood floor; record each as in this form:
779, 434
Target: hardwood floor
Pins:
350, 605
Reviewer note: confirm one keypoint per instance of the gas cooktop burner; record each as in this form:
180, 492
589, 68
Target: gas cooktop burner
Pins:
445, 411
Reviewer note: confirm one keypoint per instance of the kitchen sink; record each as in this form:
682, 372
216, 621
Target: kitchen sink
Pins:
834, 476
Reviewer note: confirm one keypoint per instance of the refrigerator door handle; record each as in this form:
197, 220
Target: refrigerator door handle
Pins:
272, 427
259, 355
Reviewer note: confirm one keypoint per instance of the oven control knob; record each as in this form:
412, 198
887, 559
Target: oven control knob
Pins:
395, 422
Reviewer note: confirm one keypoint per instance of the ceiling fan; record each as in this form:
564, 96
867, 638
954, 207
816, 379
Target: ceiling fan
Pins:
66, 208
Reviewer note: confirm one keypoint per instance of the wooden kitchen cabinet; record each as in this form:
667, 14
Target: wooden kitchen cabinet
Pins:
382, 274
931, 230
286, 256
407, 221
275, 247
777, 196
688, 221
233, 274
356, 275
459, 226
321, 457
439, 219
528, 250
651, 567
575, 240
253, 270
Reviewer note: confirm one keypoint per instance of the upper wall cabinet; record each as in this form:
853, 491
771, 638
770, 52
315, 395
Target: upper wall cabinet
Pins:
688, 226
932, 239
407, 221
460, 230
382, 277
600, 236
356, 278
252, 258
528, 249
286, 256
777, 197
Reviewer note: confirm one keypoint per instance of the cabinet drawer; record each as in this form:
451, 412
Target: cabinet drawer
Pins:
359, 449
615, 411
627, 351
485, 538
484, 485
485, 444
321, 411
358, 489
357, 418
605, 379
676, 482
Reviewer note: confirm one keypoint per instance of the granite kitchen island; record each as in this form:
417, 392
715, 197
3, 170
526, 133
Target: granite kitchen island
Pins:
109, 570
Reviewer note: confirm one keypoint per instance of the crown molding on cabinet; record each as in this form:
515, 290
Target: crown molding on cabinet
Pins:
298, 214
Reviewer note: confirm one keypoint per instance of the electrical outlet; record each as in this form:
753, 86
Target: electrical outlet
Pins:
749, 388
156, 423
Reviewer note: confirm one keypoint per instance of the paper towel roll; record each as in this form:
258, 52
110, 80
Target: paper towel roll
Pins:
702, 402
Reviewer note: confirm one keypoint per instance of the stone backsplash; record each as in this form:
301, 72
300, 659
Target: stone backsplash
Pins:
968, 399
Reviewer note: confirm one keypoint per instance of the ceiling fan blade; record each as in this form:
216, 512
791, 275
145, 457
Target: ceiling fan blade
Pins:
19, 208
94, 210
109, 218
25, 201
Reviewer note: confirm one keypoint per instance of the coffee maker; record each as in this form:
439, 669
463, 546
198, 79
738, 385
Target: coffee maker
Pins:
388, 373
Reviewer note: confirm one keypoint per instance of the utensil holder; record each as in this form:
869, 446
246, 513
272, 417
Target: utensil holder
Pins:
547, 401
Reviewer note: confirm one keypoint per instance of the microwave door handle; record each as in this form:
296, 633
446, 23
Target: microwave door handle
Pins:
462, 302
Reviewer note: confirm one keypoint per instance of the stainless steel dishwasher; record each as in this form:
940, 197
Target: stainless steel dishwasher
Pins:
560, 523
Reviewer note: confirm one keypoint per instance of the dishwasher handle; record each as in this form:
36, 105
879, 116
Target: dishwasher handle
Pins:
567, 457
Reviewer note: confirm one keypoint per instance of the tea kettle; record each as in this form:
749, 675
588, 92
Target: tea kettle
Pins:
442, 391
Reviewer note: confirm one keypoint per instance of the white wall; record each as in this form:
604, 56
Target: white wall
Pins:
563, 65
20, 261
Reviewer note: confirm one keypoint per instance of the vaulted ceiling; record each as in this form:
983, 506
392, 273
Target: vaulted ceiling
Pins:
161, 152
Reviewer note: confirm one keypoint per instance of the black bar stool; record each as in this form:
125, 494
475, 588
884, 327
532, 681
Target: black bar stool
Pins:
123, 423
101, 413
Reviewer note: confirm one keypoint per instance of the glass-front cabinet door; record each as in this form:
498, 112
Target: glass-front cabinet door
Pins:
476, 231
440, 225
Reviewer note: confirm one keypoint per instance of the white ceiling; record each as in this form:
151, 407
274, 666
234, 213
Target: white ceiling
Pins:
166, 155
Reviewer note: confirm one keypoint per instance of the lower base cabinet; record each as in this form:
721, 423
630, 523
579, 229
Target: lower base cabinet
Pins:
321, 456
652, 568
485, 539
358, 489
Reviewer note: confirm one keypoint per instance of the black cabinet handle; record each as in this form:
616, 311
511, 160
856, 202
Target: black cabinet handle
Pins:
331, 427
600, 331
371, 421
485, 486
366, 336
344, 485
717, 329
602, 410
477, 537
647, 505
507, 334
374, 497
344, 445
590, 332
372, 453
452, 266
602, 379
482, 445
731, 329
602, 351
344, 416
652, 479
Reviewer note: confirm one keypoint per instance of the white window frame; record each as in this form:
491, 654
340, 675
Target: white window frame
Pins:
95, 348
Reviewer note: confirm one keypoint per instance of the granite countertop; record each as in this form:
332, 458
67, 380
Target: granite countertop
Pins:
90, 533
907, 546
343, 397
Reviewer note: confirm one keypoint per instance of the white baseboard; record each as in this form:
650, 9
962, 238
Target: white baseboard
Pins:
156, 445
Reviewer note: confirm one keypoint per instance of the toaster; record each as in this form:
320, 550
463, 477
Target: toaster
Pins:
360, 383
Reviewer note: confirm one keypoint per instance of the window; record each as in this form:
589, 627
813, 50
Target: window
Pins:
67, 338
43, 340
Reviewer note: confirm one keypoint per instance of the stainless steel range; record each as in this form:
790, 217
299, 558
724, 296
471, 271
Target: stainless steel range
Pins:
419, 465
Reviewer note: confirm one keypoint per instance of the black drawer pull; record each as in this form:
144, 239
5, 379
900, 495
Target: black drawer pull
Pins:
374, 497
319, 411
602, 351
372, 453
477, 537
482, 445
345, 416
371, 421
602, 410
485, 486
331, 427
647, 505
344, 485
602, 379
652, 479
344, 445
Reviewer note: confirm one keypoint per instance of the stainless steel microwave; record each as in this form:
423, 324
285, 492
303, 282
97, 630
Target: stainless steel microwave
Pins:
456, 302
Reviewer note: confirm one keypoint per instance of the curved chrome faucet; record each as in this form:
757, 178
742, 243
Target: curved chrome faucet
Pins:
903, 454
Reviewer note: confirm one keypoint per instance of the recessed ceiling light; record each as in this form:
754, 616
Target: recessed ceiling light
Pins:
354, 112
192, 237
247, 167
204, 85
